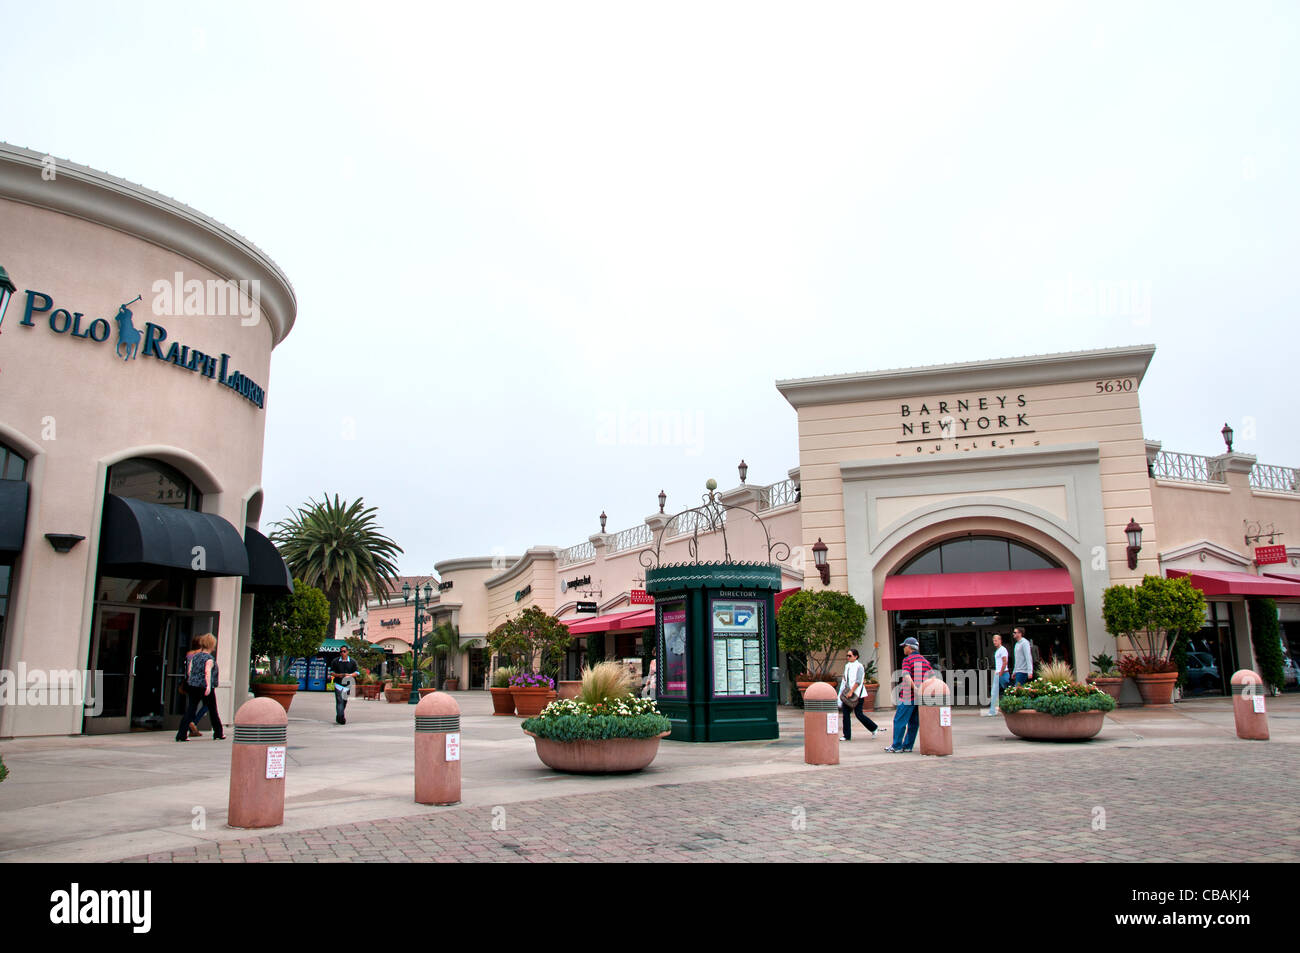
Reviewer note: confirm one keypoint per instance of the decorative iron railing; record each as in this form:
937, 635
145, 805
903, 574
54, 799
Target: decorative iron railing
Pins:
576, 554
779, 494
1187, 467
632, 538
1264, 476
695, 521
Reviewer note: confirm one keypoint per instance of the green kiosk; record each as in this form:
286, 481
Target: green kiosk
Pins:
716, 676
715, 635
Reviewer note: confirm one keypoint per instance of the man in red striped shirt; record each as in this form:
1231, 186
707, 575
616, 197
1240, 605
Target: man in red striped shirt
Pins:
907, 717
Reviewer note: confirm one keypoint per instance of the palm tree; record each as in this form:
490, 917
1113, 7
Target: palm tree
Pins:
444, 643
338, 548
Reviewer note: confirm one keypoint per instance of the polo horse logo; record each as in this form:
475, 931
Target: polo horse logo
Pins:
126, 331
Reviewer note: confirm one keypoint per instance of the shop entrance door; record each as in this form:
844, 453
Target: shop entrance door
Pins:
969, 659
141, 653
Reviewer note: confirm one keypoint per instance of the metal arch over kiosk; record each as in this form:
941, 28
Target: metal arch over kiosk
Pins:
715, 632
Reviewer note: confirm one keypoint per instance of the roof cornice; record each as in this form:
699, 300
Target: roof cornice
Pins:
972, 376
474, 562
115, 203
536, 554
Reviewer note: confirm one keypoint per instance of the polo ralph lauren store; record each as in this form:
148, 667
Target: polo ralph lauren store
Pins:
135, 348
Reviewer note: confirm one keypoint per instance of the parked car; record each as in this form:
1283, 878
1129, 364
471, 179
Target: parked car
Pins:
1202, 674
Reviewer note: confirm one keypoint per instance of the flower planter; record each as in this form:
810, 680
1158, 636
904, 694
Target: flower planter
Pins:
1037, 726
503, 701
606, 756
804, 683
869, 690
570, 689
398, 694
451, 684
281, 693
1110, 684
1157, 688
426, 691
530, 701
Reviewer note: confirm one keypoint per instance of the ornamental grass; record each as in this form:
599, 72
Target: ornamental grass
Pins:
604, 682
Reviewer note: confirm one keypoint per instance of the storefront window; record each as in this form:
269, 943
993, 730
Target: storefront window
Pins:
12, 466
152, 481
977, 554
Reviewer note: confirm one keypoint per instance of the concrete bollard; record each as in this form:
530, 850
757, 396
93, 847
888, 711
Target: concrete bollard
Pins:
821, 725
257, 764
437, 750
936, 709
1248, 706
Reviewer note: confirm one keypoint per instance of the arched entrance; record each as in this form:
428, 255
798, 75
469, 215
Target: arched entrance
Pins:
956, 594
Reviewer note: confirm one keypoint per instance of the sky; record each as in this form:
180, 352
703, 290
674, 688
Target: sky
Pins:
552, 258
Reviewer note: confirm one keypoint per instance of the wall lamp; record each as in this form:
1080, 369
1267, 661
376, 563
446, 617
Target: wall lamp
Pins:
63, 542
819, 560
1134, 533
7, 289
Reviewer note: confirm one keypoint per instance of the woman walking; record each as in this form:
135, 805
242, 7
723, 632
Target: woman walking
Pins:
852, 695
198, 685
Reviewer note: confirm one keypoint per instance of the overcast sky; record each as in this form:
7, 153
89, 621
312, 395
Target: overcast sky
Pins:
550, 258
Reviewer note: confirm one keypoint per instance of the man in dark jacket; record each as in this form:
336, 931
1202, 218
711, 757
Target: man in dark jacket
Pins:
342, 667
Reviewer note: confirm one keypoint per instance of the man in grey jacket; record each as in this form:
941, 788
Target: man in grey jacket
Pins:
1024, 667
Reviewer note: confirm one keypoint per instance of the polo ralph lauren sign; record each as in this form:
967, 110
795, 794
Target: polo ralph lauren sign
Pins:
133, 342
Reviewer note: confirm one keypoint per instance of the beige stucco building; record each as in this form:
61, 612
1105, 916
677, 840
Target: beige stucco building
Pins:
135, 357
955, 502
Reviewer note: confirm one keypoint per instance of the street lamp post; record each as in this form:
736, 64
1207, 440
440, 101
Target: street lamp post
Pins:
419, 626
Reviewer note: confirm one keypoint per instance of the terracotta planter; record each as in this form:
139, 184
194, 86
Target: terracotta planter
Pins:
281, 693
869, 690
607, 756
503, 701
451, 684
1157, 689
804, 683
427, 691
1036, 726
398, 694
531, 701
570, 689
1110, 684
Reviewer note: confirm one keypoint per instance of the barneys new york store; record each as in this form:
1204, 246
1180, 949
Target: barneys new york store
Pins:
134, 364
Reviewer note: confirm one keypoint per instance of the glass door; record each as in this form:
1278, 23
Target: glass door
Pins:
113, 654
182, 627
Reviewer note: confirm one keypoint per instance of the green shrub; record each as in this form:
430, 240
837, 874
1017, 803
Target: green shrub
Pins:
275, 680
4, 772
1268, 644
1055, 698
597, 727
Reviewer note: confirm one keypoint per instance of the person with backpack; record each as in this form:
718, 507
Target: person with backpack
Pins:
199, 665
852, 695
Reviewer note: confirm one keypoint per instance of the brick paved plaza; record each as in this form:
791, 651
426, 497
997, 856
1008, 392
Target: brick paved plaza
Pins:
1161, 805
1173, 785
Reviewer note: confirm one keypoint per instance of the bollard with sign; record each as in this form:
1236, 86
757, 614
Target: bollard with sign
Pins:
437, 750
821, 725
936, 717
1248, 708
257, 764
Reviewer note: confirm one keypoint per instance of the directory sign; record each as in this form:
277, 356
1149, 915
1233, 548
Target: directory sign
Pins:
738, 649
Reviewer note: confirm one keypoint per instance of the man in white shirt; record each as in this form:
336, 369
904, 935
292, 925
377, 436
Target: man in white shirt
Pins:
1000, 660
1024, 669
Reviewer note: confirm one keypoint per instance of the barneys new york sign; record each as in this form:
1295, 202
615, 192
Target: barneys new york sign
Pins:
963, 417
151, 342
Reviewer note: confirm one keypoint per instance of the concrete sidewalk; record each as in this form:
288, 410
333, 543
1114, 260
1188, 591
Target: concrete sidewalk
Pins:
99, 798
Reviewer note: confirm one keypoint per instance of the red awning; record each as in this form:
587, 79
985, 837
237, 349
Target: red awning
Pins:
979, 590
781, 597
603, 623
1239, 584
636, 620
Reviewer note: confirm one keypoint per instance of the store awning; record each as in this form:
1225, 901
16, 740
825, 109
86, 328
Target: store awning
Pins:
596, 623
781, 597
1239, 584
268, 574
13, 515
978, 590
331, 645
635, 620
142, 540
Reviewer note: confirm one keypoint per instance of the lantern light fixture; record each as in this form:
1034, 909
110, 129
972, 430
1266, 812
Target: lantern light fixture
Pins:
7, 289
744, 470
1134, 533
603, 517
663, 498
1227, 436
819, 560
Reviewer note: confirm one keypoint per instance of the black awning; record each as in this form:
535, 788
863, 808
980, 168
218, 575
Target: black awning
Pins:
142, 540
13, 515
268, 574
